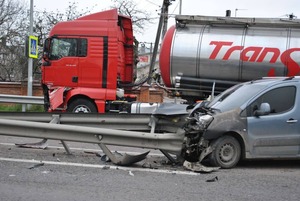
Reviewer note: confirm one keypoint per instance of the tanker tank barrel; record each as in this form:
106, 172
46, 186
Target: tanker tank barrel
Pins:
200, 51
261, 22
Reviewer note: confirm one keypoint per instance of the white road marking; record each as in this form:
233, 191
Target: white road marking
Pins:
99, 166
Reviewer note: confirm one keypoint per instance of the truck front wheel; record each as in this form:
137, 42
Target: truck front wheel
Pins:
226, 152
82, 105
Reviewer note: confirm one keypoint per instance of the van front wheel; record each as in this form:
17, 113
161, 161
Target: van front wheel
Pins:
82, 105
226, 152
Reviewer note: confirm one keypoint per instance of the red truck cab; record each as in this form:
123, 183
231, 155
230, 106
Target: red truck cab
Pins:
86, 60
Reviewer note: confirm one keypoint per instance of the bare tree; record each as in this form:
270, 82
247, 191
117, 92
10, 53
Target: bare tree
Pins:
140, 17
14, 26
12, 29
8, 10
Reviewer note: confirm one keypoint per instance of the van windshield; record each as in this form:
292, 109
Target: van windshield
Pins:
235, 96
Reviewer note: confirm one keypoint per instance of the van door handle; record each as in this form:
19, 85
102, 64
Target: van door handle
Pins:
292, 121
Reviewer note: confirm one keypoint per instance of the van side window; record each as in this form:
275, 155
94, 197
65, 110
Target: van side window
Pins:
281, 100
67, 47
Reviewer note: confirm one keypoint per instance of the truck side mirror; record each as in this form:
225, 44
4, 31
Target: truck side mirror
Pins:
46, 52
264, 109
46, 49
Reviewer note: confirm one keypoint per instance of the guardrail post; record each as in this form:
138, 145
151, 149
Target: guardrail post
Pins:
56, 120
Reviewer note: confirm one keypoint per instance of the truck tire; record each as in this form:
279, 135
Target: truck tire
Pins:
226, 152
82, 105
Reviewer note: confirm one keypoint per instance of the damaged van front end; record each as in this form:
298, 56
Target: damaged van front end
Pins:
252, 120
205, 128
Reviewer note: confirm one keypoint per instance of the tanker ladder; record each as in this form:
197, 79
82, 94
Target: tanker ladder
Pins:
129, 130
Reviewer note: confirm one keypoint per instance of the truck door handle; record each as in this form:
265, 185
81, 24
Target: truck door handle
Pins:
292, 121
75, 79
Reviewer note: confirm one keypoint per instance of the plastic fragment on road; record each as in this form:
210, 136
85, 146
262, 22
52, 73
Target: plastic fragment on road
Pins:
93, 152
198, 167
213, 179
36, 165
36, 145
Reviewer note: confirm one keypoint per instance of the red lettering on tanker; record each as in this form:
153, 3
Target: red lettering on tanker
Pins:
219, 45
293, 67
257, 54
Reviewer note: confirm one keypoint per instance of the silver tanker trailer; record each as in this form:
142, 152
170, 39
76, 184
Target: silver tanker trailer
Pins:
200, 53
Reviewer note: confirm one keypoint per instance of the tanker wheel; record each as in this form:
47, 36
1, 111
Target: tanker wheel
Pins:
82, 105
226, 152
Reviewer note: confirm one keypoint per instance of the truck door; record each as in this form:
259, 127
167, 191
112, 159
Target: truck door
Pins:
62, 68
278, 133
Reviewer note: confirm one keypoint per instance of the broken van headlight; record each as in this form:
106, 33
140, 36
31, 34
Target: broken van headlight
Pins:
204, 121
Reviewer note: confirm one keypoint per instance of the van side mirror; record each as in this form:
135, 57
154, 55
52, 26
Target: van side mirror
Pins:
264, 109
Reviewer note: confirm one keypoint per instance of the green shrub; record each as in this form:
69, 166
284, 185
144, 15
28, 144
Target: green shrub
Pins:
18, 108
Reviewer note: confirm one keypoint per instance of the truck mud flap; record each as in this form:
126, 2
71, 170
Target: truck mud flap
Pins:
123, 160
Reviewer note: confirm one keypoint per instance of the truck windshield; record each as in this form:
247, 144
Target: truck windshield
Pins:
235, 96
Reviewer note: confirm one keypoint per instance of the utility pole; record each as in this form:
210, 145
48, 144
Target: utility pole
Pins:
161, 30
180, 7
165, 16
30, 60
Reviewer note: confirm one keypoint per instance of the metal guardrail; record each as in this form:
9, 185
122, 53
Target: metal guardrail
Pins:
4, 98
134, 122
170, 142
132, 130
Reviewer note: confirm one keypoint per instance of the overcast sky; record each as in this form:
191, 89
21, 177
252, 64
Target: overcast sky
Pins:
240, 8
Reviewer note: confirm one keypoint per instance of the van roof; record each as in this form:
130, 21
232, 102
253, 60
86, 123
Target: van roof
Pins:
271, 80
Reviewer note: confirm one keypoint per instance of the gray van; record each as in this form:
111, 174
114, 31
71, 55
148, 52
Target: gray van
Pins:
252, 120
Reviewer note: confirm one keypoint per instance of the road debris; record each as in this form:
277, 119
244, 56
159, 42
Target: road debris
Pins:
36, 145
121, 159
213, 179
93, 152
36, 165
105, 158
106, 167
149, 165
198, 167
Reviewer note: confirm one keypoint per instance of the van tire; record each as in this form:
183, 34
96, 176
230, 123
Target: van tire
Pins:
226, 152
82, 105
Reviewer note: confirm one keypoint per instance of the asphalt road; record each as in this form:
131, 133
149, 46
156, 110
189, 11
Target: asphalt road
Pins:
50, 174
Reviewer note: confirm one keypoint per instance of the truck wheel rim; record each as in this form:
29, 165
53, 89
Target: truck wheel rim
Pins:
82, 109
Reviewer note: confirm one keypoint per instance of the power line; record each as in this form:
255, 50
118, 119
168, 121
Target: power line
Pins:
152, 3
